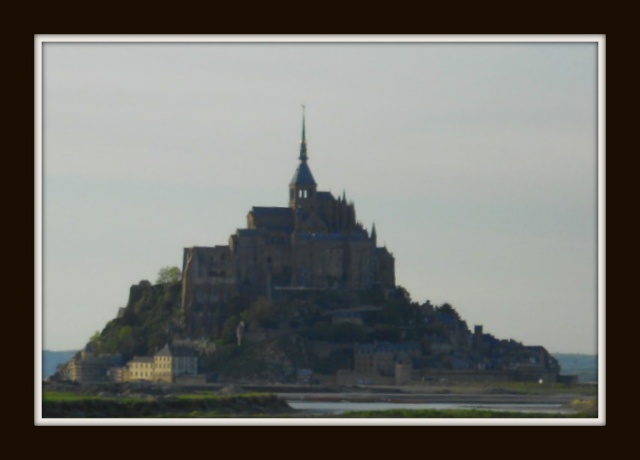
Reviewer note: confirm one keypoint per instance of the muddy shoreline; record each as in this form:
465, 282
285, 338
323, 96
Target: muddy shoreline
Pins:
333, 393
421, 398
424, 394
278, 400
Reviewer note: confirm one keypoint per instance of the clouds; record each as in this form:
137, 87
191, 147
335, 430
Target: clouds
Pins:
477, 162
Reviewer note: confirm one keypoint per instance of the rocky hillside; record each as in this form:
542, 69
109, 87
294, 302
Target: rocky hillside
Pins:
151, 318
272, 340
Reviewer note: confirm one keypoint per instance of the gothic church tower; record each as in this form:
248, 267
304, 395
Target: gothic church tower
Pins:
303, 187
313, 243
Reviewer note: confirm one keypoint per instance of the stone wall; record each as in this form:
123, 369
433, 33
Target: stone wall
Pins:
448, 375
362, 378
185, 379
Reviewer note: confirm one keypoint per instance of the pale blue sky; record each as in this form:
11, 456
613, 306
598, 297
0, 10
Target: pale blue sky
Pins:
477, 162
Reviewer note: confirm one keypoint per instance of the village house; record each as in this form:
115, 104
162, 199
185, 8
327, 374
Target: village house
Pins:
380, 358
167, 365
86, 367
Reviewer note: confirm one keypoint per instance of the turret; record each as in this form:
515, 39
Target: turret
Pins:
302, 189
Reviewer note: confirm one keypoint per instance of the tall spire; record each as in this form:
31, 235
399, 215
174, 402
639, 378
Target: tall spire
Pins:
303, 142
303, 177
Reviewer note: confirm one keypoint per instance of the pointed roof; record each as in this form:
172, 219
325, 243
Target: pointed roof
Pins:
303, 175
172, 350
164, 351
303, 141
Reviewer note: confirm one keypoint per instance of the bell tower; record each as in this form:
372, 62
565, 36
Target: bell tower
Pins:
302, 189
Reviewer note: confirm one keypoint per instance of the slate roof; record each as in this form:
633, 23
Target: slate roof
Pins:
264, 211
164, 351
273, 218
331, 236
175, 351
325, 196
319, 236
303, 175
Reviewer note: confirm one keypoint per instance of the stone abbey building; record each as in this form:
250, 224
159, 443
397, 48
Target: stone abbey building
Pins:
313, 243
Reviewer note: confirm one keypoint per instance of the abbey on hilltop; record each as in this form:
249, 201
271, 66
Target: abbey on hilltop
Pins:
302, 294
313, 243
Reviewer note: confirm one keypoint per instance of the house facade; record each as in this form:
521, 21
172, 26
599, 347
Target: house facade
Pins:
86, 367
167, 365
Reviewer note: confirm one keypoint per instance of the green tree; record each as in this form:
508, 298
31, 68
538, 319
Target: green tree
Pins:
347, 332
447, 308
401, 294
263, 312
96, 342
386, 333
126, 340
169, 275
229, 330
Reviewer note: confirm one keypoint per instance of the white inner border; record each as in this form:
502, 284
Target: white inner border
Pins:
40, 40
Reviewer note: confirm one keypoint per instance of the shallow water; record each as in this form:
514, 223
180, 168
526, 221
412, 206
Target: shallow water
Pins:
338, 407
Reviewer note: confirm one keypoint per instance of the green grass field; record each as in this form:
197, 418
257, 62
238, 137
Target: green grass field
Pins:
71, 405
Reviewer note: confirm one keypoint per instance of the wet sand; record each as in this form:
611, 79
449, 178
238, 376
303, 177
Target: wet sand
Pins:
424, 398
421, 394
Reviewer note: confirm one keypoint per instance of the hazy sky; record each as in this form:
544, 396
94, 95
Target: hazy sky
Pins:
477, 162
